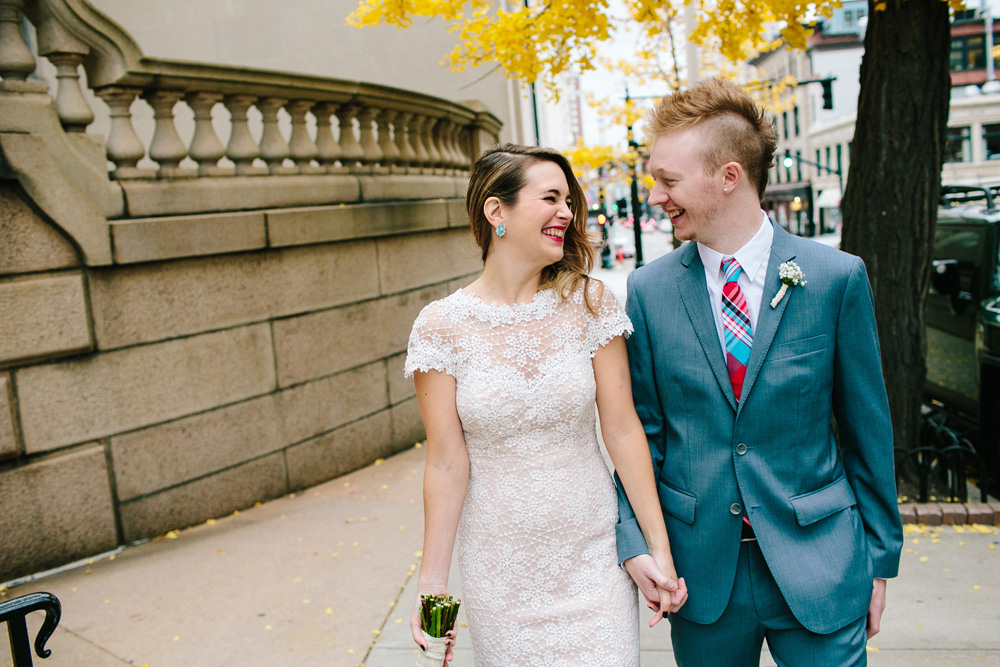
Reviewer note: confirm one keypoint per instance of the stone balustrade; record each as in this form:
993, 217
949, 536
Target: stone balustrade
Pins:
359, 128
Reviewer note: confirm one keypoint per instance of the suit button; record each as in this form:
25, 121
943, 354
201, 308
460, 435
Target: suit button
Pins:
735, 509
741, 449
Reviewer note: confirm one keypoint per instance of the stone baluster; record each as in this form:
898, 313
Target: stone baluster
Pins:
390, 153
273, 147
206, 148
401, 133
448, 126
16, 61
430, 136
167, 148
302, 147
371, 153
242, 149
327, 148
124, 147
350, 149
74, 112
458, 143
416, 135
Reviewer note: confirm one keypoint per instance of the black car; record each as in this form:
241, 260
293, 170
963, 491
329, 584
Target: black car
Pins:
963, 313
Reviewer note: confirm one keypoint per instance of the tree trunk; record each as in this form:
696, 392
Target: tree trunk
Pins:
890, 206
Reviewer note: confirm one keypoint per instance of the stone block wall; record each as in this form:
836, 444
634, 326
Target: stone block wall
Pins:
224, 359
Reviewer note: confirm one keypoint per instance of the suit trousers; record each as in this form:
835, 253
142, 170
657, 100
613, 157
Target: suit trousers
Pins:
757, 611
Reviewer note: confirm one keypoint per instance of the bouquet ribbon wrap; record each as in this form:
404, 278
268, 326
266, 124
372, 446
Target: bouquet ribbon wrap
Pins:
434, 655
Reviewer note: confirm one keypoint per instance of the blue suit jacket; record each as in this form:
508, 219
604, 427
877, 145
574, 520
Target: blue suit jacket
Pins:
826, 519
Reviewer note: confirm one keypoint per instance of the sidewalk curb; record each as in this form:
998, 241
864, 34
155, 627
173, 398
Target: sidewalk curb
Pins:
949, 514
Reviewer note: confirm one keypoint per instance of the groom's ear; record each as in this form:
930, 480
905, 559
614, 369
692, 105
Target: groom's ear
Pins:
732, 175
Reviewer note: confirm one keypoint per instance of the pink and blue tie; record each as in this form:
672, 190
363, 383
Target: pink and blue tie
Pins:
739, 338
736, 325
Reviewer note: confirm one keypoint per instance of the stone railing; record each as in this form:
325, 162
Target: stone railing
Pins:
337, 127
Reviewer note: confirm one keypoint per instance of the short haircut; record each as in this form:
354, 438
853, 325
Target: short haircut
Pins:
734, 127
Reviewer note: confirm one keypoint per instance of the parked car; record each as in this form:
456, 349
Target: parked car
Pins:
963, 313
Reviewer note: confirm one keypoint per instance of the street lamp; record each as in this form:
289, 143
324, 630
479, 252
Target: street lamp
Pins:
633, 147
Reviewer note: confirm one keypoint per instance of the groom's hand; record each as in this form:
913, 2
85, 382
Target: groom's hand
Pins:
649, 579
876, 608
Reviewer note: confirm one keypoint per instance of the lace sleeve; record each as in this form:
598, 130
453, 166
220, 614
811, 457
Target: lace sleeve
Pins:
430, 347
610, 321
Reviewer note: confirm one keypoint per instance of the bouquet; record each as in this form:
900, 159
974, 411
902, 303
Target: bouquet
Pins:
437, 617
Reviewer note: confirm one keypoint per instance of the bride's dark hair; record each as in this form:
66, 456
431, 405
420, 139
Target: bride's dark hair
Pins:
500, 172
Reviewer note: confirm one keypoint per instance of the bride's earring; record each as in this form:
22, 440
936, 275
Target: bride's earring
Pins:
501, 231
725, 189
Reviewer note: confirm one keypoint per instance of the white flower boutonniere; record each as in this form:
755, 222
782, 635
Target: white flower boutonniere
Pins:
790, 274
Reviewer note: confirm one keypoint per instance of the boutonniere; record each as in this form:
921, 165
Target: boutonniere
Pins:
790, 274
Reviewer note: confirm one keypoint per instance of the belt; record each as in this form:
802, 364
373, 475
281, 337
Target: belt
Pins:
747, 535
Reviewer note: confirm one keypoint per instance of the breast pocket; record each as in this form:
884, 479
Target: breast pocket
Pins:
797, 348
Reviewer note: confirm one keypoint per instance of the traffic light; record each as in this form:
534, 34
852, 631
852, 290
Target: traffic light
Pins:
827, 93
787, 161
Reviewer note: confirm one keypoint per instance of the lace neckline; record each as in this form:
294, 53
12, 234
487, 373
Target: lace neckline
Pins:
495, 313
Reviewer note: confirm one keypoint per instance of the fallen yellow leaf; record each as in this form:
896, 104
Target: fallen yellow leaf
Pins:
398, 621
379, 462
976, 587
329, 610
210, 522
923, 559
376, 632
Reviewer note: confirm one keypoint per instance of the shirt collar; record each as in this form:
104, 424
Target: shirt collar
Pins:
752, 256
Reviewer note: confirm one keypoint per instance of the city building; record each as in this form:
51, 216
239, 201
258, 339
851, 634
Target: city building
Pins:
816, 127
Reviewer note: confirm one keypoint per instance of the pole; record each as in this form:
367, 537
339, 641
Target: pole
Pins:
636, 213
988, 19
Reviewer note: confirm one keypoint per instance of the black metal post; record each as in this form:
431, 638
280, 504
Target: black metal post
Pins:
633, 146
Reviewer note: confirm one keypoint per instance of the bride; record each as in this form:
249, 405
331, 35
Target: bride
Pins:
507, 373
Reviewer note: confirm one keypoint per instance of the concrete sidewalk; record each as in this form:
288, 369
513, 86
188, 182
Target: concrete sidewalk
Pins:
326, 577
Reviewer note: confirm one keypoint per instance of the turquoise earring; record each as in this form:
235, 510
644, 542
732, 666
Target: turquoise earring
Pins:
501, 231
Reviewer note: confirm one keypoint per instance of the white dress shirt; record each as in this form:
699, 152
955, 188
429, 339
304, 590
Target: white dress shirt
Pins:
753, 258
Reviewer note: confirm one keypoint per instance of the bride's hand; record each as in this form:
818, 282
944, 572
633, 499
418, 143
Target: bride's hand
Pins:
672, 597
416, 629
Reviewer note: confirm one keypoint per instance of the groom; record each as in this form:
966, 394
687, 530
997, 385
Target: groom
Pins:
778, 532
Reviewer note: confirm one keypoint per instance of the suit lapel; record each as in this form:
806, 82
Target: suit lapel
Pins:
769, 318
694, 294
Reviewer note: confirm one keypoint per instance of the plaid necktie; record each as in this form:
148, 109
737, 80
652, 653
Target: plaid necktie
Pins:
736, 325
739, 337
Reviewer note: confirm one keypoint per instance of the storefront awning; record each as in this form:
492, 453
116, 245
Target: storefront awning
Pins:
828, 198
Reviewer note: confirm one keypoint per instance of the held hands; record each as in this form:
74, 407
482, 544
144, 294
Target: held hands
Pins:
659, 584
415, 627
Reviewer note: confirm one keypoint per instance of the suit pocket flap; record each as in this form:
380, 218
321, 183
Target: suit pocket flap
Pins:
679, 504
797, 348
815, 505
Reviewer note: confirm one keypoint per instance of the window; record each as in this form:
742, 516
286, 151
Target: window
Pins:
840, 159
848, 17
958, 147
798, 165
795, 114
784, 123
991, 137
968, 52
819, 161
828, 162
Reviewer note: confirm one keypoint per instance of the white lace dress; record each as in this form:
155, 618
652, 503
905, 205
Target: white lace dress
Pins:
536, 541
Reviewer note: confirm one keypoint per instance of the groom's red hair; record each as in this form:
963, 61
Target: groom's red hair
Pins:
734, 127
